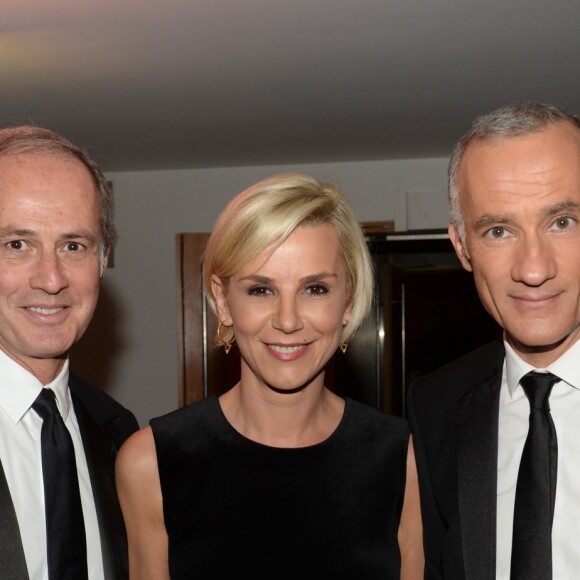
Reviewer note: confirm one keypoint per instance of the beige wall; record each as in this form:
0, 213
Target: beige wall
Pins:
130, 349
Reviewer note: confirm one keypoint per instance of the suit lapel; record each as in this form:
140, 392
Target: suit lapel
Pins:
477, 441
100, 451
12, 560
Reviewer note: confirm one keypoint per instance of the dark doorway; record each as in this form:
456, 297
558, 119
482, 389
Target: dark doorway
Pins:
426, 313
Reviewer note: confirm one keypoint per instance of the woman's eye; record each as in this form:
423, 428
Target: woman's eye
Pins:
317, 289
259, 291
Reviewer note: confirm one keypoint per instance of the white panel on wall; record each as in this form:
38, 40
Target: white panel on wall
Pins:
421, 210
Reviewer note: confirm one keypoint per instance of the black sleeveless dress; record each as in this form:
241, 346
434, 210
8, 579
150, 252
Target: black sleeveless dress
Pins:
238, 509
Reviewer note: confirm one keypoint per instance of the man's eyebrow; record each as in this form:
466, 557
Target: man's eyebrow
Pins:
81, 234
9, 232
489, 220
563, 206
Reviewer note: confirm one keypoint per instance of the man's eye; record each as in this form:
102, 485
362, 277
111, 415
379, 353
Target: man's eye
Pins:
563, 223
16, 245
496, 233
73, 247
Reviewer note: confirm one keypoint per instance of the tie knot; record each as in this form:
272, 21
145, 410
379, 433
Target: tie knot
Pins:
45, 403
538, 387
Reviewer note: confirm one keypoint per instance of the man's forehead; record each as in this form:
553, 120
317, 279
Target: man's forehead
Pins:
60, 179
47, 160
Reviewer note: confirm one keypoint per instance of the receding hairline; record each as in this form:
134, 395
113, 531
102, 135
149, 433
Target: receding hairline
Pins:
498, 140
40, 151
55, 154
497, 137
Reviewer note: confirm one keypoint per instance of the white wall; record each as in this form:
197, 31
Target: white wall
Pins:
137, 362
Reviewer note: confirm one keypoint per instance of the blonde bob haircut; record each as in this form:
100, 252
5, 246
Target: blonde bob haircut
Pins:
266, 213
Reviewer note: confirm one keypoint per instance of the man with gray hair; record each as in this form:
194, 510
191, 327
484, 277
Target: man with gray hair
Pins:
497, 432
59, 514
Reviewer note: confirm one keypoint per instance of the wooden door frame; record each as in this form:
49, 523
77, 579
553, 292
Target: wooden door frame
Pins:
191, 318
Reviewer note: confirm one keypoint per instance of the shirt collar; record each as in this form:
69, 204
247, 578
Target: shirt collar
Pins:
19, 388
566, 367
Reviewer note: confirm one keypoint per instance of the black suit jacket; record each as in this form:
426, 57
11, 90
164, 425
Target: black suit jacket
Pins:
104, 426
453, 414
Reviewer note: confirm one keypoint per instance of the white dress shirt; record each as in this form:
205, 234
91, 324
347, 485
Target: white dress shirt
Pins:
514, 413
20, 453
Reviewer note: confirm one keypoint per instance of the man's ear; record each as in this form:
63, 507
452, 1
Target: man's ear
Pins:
459, 246
104, 264
220, 295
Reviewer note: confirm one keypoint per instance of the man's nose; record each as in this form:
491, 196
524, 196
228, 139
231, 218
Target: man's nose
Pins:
534, 262
48, 273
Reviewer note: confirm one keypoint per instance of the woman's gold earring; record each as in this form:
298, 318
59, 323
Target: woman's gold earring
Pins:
343, 347
227, 343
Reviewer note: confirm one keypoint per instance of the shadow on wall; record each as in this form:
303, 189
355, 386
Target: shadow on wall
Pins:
94, 357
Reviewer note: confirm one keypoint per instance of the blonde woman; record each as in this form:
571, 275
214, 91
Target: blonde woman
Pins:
278, 478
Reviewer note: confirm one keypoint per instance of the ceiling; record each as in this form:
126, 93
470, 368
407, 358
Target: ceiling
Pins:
151, 84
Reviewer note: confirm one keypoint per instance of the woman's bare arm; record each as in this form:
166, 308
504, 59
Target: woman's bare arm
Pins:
140, 497
411, 526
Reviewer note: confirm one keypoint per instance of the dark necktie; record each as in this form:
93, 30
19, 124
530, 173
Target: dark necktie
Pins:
536, 487
65, 527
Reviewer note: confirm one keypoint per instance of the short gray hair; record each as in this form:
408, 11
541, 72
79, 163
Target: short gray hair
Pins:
505, 122
29, 139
